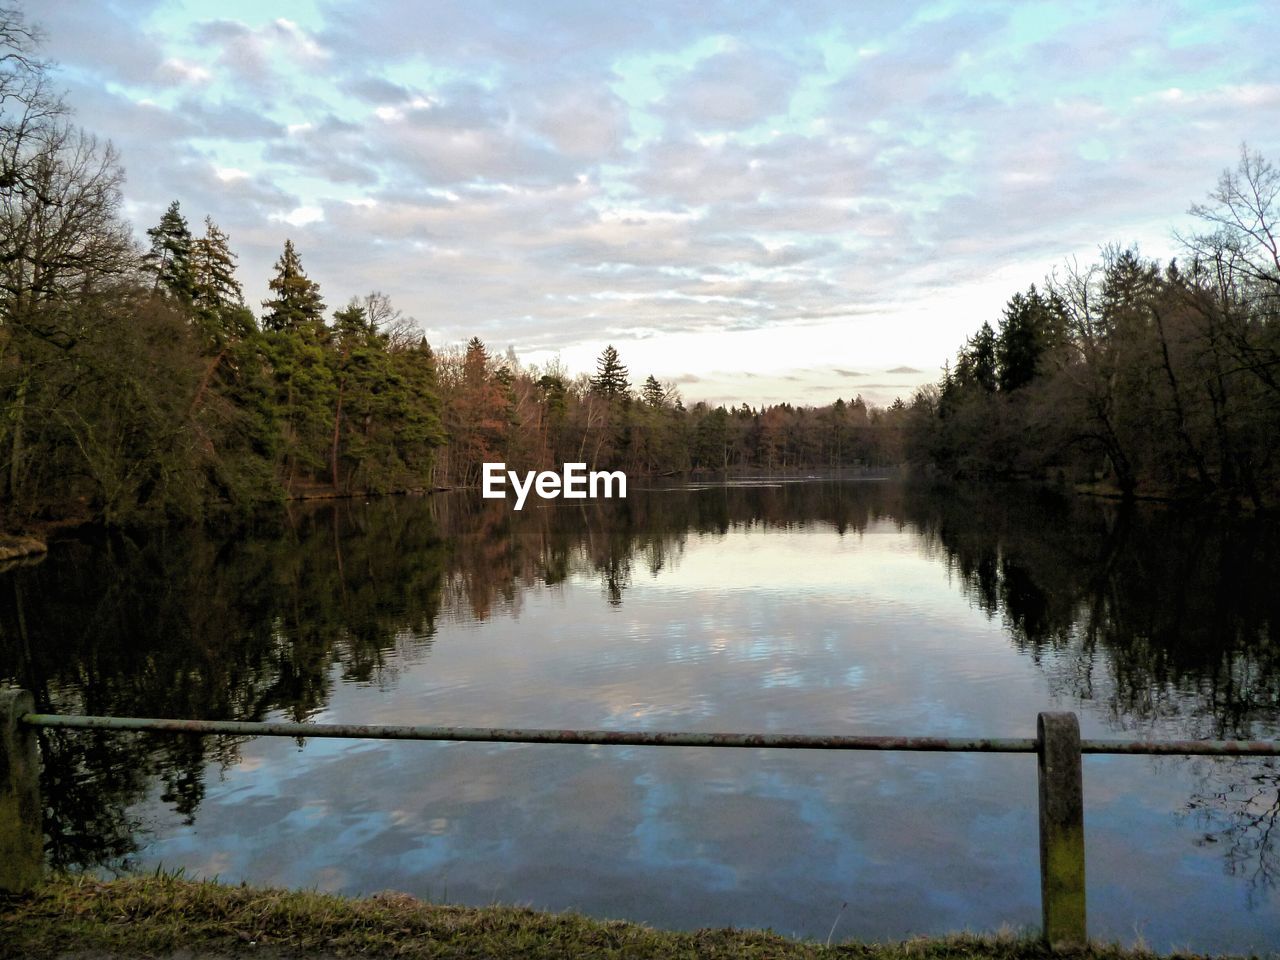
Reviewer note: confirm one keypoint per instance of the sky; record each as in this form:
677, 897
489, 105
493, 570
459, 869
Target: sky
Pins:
758, 202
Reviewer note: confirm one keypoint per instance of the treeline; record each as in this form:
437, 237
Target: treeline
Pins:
1143, 378
137, 385
531, 418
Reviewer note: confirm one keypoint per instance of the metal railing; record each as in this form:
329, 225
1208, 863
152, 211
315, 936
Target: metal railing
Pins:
1057, 745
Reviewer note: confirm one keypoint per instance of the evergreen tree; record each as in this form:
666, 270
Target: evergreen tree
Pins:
981, 356
386, 409
170, 258
653, 393
216, 293
214, 268
554, 394
610, 380
295, 347
1018, 347
475, 365
414, 410
297, 305
711, 438
350, 334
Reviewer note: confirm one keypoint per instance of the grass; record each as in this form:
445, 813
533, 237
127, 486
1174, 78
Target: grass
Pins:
162, 915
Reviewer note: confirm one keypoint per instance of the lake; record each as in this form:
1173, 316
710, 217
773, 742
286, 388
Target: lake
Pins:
851, 607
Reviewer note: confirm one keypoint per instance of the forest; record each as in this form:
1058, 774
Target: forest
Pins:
138, 385
1129, 376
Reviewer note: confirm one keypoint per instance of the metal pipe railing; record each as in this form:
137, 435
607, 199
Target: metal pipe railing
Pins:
636, 738
1057, 745
641, 738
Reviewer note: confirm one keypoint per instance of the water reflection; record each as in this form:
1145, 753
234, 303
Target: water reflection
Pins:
841, 607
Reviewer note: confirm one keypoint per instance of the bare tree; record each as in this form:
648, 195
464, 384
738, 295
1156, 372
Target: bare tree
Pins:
61, 238
1244, 210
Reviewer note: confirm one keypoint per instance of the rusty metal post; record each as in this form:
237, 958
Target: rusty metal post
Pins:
1062, 895
21, 827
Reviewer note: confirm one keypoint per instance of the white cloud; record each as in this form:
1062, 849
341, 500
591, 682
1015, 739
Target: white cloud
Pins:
833, 181
300, 216
177, 70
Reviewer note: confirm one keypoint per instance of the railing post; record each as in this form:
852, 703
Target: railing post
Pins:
1062, 895
21, 826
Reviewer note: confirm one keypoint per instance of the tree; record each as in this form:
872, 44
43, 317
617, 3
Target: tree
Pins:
653, 392
170, 258
32, 115
610, 380
62, 244
1245, 214
711, 438
413, 410
1022, 340
1235, 268
295, 347
477, 412
217, 296
386, 409
297, 306
977, 364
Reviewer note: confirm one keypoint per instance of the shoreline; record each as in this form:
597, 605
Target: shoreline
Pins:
32, 544
168, 916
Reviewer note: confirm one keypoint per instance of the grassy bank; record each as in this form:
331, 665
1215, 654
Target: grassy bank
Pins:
159, 916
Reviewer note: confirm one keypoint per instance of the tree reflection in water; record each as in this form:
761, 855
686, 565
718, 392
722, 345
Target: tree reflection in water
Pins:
1163, 624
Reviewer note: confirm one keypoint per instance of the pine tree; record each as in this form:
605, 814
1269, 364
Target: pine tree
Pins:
610, 380
981, 355
417, 426
653, 392
475, 365
297, 305
170, 256
295, 346
1022, 340
216, 293
214, 269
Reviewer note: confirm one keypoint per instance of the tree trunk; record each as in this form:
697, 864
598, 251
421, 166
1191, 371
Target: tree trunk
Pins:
337, 432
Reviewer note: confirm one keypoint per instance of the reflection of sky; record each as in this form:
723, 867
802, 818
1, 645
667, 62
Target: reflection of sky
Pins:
876, 565
782, 629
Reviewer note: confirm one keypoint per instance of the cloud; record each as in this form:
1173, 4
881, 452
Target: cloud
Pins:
859, 184
178, 72
259, 58
101, 38
729, 90
588, 123
376, 90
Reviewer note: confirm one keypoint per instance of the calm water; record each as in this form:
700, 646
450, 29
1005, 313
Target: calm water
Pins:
809, 607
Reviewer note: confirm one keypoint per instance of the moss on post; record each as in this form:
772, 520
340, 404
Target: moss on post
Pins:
1062, 890
21, 829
